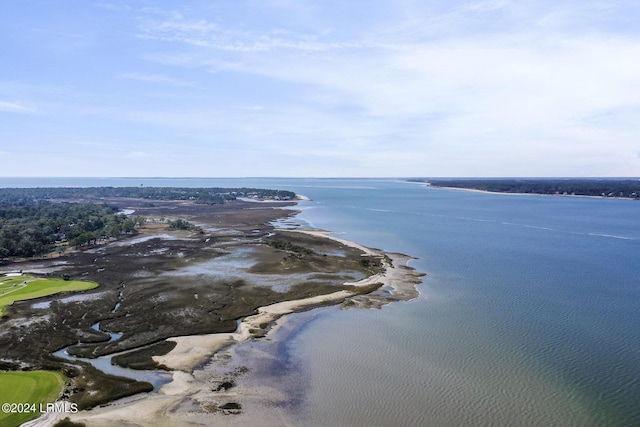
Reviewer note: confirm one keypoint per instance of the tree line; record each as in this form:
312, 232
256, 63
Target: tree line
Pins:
34, 228
35, 221
211, 196
603, 187
181, 224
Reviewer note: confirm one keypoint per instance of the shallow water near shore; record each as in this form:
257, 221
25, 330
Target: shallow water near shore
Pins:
156, 378
528, 315
234, 266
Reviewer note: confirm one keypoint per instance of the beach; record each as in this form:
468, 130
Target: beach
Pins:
189, 398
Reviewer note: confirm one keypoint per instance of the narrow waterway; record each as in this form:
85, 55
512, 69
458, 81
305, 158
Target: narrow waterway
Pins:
104, 363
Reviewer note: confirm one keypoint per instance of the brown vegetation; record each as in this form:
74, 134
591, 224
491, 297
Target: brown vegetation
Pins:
164, 283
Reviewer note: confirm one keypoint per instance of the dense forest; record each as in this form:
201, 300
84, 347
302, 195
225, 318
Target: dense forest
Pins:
602, 187
198, 195
37, 221
37, 227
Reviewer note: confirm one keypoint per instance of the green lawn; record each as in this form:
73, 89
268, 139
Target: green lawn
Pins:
33, 387
28, 287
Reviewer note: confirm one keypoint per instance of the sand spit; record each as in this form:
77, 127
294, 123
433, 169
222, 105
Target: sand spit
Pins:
191, 400
397, 280
505, 193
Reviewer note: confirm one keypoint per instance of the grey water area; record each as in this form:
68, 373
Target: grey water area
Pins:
146, 239
72, 298
157, 378
274, 380
289, 223
116, 307
234, 265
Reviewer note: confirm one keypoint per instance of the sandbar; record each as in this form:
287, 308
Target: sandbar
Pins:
188, 400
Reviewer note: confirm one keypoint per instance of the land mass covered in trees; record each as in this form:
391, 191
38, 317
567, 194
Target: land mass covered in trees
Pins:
214, 195
597, 187
37, 221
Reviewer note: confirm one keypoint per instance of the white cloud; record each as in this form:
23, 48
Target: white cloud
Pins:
483, 87
488, 5
138, 154
113, 7
15, 107
509, 95
206, 34
155, 78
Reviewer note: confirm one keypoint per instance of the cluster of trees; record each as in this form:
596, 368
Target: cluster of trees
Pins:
286, 245
31, 224
116, 225
181, 224
198, 195
604, 187
34, 228
370, 263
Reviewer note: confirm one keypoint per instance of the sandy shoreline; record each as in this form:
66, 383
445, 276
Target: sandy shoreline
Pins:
187, 400
474, 190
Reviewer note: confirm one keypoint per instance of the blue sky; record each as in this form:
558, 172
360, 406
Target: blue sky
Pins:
320, 88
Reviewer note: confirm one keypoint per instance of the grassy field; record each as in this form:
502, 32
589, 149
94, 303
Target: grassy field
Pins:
31, 388
28, 287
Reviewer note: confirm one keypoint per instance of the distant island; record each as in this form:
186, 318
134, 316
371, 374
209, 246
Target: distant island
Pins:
628, 188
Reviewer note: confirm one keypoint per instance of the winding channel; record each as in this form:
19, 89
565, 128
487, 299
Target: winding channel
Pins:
156, 377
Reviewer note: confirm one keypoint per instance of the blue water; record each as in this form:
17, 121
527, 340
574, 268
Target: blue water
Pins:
529, 315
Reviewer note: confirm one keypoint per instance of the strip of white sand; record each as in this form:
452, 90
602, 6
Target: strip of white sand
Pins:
160, 408
193, 350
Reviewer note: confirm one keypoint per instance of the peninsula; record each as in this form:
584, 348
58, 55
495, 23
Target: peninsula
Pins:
172, 276
627, 188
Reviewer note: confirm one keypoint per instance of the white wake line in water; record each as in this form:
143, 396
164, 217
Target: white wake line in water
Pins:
515, 224
609, 235
377, 210
537, 227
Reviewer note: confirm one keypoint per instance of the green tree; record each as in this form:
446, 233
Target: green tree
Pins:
4, 253
139, 220
128, 225
113, 229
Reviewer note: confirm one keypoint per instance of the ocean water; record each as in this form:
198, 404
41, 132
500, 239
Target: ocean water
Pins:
529, 314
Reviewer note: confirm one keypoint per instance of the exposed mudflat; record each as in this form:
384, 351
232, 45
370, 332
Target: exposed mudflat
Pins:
160, 283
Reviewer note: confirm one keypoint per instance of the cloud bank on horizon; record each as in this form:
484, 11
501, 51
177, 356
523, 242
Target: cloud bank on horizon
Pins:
320, 88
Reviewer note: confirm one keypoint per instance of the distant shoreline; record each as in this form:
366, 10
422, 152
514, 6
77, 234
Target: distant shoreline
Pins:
608, 188
475, 190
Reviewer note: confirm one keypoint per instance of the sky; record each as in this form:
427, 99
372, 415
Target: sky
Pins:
320, 88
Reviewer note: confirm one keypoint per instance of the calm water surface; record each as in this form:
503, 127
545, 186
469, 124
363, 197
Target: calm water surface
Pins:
529, 315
